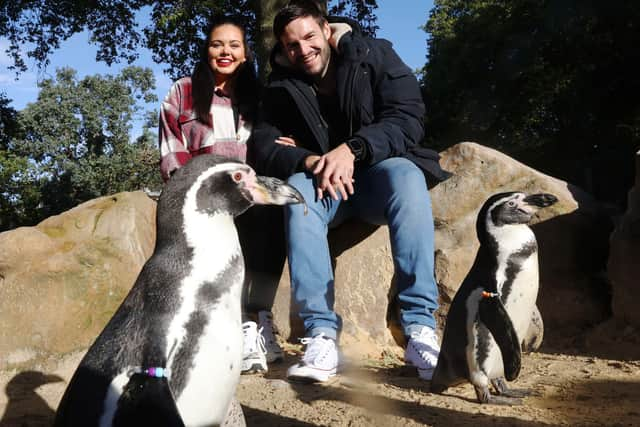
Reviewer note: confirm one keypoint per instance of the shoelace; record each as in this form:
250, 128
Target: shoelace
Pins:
261, 342
428, 340
317, 348
250, 339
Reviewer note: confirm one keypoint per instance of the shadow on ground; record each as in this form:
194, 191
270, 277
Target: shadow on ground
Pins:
380, 406
25, 408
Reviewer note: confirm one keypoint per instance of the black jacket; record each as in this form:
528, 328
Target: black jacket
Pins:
377, 93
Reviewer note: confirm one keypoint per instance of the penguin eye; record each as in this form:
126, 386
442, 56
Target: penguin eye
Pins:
237, 176
511, 203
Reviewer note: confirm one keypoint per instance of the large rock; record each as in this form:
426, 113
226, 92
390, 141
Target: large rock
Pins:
61, 280
624, 259
572, 234
572, 237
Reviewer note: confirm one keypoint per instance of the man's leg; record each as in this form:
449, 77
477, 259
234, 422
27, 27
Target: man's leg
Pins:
394, 192
310, 267
312, 286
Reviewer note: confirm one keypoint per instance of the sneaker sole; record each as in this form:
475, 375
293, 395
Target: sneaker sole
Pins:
254, 369
305, 379
423, 374
312, 377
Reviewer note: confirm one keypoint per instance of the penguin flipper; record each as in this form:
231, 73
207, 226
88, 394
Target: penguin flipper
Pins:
495, 317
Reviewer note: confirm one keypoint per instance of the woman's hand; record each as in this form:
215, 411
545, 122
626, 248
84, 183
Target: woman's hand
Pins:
286, 140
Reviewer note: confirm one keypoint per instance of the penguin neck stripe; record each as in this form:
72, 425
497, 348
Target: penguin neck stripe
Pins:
155, 371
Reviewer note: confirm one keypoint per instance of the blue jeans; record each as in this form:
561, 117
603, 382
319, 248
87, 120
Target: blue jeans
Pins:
391, 192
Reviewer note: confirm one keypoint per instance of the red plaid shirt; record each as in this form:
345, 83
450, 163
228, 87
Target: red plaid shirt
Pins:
182, 135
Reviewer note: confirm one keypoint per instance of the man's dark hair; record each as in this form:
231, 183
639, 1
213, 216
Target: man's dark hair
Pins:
297, 9
246, 88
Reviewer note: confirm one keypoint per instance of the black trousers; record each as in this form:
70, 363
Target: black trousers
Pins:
261, 234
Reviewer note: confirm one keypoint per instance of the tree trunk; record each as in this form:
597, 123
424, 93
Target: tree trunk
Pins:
266, 10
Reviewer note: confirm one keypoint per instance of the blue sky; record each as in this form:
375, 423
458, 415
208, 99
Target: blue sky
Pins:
399, 22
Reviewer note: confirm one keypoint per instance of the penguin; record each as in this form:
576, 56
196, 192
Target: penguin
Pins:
171, 353
493, 308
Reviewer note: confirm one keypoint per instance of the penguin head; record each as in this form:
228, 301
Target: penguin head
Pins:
511, 208
213, 184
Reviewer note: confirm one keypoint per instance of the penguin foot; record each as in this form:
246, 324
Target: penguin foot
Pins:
500, 387
485, 396
519, 393
504, 400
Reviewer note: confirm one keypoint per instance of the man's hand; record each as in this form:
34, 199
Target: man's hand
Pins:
333, 171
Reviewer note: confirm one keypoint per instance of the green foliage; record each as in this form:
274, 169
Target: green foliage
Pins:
551, 82
8, 123
173, 34
72, 145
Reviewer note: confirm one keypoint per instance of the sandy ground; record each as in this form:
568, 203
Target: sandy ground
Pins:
571, 389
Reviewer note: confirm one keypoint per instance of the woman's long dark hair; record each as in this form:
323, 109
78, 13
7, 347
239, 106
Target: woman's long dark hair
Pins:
246, 87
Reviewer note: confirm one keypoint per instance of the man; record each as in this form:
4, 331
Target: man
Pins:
356, 114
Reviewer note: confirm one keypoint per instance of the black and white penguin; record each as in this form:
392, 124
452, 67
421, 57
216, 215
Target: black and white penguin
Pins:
495, 304
171, 354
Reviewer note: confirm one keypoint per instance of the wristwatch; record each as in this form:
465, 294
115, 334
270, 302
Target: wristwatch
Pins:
357, 147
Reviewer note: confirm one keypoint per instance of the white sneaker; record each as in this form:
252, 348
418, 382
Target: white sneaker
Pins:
253, 353
319, 362
265, 323
422, 352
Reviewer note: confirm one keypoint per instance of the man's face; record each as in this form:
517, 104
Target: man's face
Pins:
307, 45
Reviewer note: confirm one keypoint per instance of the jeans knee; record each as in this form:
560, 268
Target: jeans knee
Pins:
407, 183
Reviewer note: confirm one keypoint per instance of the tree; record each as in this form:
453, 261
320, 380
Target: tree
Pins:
173, 34
552, 83
73, 144
14, 170
8, 122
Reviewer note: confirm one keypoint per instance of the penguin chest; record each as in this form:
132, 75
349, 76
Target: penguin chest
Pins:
213, 370
521, 297
204, 339
518, 292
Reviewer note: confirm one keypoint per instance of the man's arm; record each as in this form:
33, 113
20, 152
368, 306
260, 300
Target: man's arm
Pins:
398, 108
267, 156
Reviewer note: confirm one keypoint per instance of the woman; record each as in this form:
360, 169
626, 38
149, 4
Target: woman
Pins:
212, 112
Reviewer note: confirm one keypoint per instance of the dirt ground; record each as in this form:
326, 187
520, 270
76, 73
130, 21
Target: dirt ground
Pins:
571, 389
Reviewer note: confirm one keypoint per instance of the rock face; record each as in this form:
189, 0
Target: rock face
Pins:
572, 234
571, 237
624, 259
61, 280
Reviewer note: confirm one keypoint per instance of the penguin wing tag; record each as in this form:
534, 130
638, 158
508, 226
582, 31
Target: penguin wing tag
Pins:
496, 319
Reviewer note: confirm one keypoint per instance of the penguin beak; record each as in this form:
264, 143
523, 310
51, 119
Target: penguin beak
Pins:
273, 191
541, 200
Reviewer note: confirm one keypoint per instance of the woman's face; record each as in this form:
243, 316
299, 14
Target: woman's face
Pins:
226, 51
